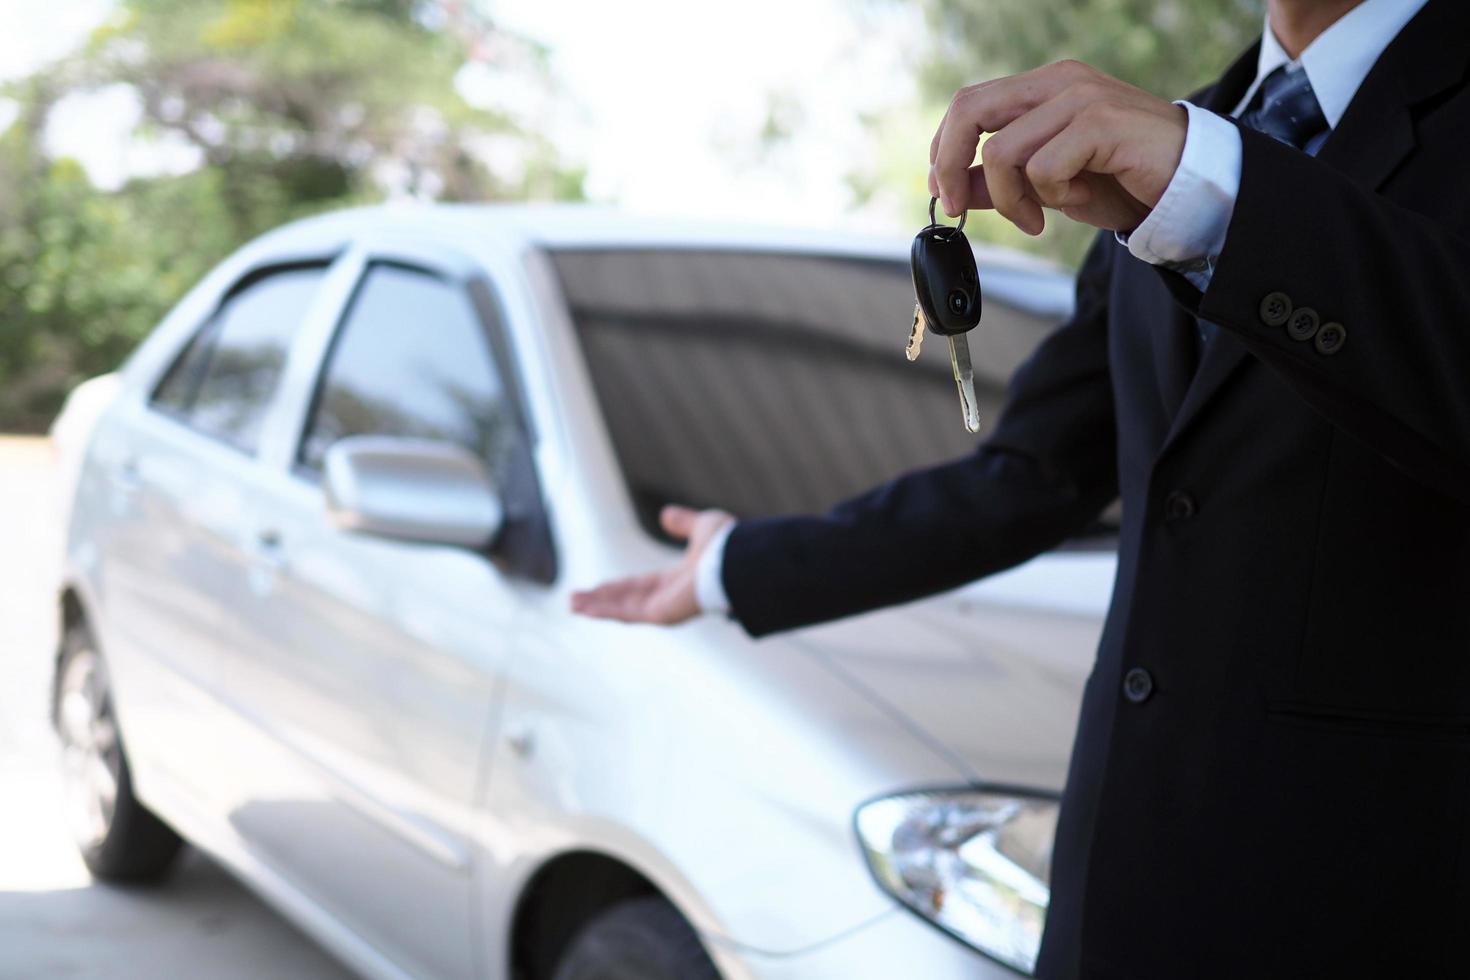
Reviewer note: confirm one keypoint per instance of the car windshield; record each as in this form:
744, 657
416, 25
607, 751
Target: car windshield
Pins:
767, 383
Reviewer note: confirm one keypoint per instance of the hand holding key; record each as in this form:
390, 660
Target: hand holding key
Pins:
1065, 136
666, 596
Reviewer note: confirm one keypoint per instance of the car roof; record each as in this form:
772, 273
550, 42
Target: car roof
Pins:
1038, 284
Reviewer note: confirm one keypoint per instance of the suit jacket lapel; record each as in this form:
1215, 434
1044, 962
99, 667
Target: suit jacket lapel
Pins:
1370, 141
1376, 132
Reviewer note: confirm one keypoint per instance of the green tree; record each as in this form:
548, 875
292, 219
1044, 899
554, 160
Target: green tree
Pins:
293, 106
1169, 47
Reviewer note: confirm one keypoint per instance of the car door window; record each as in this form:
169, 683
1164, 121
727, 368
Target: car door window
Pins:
769, 382
223, 381
411, 359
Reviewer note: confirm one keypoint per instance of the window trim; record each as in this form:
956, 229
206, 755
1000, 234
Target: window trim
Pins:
208, 323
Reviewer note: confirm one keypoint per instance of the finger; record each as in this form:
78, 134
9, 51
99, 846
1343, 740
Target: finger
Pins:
989, 108
957, 145
979, 192
939, 130
979, 195
1008, 152
1056, 169
1006, 185
610, 608
590, 601
970, 90
619, 599
607, 610
678, 521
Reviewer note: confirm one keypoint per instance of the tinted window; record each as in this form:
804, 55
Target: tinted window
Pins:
768, 383
222, 383
411, 359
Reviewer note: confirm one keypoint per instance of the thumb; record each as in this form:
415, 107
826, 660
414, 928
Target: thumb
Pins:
678, 521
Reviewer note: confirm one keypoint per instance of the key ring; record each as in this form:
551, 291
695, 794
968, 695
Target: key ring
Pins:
933, 221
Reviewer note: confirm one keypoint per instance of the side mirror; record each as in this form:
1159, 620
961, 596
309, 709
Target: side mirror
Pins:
411, 489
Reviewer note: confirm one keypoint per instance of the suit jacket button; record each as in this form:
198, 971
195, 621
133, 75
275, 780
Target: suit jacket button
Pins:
1180, 506
1275, 308
1303, 324
1138, 685
1330, 338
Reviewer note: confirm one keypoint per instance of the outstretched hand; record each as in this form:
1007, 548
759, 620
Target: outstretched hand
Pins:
666, 596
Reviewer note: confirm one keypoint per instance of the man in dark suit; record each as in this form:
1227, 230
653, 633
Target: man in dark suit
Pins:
1270, 364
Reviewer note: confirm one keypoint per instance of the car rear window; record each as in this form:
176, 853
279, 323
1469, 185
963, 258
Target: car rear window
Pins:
770, 383
223, 381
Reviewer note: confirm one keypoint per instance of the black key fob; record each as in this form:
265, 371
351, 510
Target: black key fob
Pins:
946, 283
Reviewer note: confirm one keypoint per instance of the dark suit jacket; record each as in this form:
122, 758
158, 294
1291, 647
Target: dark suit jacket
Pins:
1292, 798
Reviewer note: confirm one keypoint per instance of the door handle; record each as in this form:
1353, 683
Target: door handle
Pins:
267, 563
129, 475
269, 548
122, 485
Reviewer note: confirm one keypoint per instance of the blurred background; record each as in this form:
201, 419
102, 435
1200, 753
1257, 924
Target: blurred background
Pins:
142, 141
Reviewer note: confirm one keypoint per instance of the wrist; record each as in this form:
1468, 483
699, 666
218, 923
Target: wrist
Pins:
1186, 229
709, 583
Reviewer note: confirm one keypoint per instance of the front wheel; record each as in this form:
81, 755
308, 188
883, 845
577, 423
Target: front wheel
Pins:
638, 939
120, 839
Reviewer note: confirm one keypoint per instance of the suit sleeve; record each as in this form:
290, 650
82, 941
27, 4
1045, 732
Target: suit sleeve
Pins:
1398, 375
1049, 469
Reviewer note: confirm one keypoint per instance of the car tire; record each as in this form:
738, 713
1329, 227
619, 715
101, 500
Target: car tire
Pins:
637, 939
119, 838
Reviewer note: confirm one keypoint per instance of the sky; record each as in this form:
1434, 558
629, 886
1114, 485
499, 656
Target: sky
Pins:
664, 100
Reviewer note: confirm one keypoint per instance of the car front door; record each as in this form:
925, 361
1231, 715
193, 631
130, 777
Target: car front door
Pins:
376, 668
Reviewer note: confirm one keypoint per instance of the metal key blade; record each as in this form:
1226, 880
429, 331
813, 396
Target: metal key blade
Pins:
964, 379
916, 334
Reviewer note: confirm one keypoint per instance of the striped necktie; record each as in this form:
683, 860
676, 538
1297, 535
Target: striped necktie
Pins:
1285, 108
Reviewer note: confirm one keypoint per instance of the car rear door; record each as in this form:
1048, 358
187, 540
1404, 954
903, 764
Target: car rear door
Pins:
171, 542
376, 662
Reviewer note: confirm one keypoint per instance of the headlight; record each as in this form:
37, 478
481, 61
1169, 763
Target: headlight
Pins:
975, 862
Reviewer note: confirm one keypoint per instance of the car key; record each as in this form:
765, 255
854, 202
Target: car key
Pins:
947, 286
916, 334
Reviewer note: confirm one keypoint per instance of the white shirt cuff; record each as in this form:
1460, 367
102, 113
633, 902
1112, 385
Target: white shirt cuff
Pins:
1186, 229
709, 584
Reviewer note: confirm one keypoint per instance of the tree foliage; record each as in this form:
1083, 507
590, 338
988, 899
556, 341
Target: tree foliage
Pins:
1169, 47
290, 106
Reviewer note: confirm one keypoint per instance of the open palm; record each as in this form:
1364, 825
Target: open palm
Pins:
666, 596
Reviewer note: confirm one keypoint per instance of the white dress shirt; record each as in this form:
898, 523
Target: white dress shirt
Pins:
709, 587
1186, 229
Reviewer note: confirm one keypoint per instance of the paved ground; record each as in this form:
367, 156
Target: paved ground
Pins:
55, 922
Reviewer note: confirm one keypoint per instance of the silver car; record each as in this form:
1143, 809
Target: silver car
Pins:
323, 535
